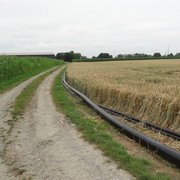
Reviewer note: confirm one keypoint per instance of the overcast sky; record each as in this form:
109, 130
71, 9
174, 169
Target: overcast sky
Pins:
90, 26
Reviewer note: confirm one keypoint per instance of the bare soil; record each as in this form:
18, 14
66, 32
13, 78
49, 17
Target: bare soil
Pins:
45, 145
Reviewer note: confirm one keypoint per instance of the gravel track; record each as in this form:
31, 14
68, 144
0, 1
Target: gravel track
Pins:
45, 145
6, 101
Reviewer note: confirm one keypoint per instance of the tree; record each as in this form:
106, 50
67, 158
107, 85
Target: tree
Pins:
120, 56
105, 55
83, 57
77, 55
68, 56
157, 54
177, 54
170, 55
59, 56
128, 56
140, 55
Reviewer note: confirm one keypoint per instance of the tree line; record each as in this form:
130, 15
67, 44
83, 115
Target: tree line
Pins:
69, 56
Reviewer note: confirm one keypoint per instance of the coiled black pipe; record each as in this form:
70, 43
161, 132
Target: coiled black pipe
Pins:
164, 151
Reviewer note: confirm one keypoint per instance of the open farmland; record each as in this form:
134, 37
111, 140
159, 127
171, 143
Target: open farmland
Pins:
149, 90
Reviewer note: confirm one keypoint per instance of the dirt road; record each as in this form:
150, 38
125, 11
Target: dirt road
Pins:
47, 146
6, 101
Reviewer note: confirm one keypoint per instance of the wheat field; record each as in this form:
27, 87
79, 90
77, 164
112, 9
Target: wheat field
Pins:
149, 90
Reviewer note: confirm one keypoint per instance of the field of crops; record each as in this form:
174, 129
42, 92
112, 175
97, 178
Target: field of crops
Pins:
14, 69
149, 90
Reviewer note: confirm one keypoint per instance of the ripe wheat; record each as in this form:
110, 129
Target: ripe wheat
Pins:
149, 90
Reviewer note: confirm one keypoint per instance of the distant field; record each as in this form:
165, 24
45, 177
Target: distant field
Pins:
149, 90
14, 70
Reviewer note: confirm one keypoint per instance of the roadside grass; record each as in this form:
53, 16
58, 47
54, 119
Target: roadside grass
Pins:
25, 98
97, 132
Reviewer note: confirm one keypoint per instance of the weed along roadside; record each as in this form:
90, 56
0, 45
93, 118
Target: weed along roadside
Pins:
102, 135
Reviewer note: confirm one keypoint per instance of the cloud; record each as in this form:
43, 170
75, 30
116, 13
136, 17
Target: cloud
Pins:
89, 26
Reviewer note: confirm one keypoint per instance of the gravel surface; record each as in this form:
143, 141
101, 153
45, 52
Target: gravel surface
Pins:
6, 101
45, 145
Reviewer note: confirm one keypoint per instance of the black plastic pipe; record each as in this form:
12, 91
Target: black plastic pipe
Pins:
163, 131
164, 151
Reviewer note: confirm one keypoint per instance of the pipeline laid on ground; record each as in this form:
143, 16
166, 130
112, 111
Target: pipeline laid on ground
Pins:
145, 124
164, 151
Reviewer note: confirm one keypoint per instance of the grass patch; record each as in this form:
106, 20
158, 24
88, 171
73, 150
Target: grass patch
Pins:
97, 132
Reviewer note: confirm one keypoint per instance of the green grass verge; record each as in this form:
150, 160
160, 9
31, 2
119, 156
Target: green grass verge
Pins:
25, 98
14, 81
97, 132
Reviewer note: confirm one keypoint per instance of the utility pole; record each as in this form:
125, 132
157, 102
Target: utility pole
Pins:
168, 49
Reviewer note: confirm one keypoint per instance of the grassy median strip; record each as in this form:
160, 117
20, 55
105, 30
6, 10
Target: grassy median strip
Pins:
25, 98
97, 132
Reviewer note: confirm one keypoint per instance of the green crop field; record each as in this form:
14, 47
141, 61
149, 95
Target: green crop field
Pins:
17, 69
